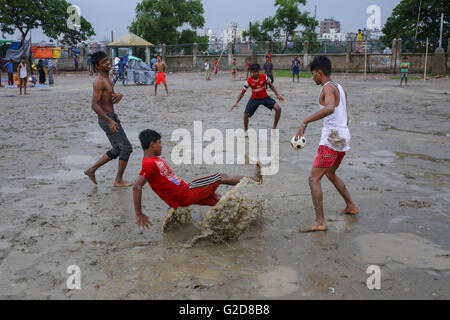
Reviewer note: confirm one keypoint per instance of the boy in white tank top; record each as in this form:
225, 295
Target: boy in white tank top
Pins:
23, 74
334, 143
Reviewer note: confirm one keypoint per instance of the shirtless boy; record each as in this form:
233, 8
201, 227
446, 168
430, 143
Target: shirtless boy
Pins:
103, 101
334, 143
169, 187
258, 82
161, 69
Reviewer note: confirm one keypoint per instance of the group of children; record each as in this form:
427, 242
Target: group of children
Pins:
268, 68
175, 192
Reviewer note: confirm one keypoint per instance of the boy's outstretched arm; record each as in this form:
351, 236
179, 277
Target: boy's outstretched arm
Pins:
141, 219
238, 100
276, 92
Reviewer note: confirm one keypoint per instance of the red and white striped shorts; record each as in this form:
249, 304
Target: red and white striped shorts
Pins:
203, 191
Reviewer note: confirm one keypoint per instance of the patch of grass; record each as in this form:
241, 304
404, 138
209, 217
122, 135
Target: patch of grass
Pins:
409, 78
288, 74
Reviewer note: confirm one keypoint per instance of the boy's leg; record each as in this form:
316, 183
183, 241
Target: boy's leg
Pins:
317, 196
156, 89
203, 191
232, 181
165, 85
340, 186
406, 79
91, 171
119, 182
246, 120
277, 110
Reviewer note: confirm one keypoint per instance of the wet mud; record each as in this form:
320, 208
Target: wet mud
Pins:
52, 216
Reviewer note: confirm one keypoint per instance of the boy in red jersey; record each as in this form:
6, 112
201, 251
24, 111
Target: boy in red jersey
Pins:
169, 187
259, 96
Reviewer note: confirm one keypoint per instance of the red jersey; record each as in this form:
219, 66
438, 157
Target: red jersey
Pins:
170, 188
258, 87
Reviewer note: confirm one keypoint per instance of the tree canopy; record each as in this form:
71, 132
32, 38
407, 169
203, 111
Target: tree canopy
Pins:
402, 23
50, 15
158, 21
287, 19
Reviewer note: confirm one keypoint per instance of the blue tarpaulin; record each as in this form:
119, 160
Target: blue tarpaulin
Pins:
17, 54
15, 46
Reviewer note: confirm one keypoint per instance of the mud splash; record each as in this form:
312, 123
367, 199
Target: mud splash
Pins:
230, 218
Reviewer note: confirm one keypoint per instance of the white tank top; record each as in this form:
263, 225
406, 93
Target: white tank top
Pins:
335, 132
23, 71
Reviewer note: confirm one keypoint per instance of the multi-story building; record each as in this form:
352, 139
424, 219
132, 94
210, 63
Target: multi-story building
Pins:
232, 34
333, 35
328, 24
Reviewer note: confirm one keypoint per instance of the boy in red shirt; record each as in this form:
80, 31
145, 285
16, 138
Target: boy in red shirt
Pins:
258, 83
169, 187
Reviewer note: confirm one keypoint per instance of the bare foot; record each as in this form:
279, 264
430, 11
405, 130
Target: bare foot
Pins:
91, 175
258, 177
350, 210
123, 184
316, 227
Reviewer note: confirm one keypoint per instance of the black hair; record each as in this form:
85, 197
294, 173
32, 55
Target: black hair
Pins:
255, 67
97, 57
147, 137
321, 63
405, 58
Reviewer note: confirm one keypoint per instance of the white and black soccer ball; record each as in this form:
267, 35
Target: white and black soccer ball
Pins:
298, 144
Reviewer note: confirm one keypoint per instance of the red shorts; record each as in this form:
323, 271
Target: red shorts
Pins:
328, 157
160, 77
203, 191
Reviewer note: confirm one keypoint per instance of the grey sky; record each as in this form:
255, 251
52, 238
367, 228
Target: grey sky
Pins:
116, 15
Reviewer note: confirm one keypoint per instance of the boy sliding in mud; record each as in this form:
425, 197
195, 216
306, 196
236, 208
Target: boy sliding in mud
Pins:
335, 140
161, 69
103, 101
170, 188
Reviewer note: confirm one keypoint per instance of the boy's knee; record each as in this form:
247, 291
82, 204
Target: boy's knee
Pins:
125, 152
113, 153
313, 179
277, 108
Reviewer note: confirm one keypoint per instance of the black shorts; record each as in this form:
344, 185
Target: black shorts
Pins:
253, 105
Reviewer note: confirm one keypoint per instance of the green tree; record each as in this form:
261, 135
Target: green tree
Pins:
265, 31
50, 15
158, 20
287, 19
402, 23
189, 36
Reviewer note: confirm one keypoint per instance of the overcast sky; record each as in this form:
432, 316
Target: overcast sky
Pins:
115, 15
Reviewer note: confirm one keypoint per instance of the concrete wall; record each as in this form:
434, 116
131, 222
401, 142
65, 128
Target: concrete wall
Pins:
376, 63
342, 62
66, 64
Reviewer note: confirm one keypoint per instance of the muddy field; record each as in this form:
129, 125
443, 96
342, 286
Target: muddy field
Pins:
397, 172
